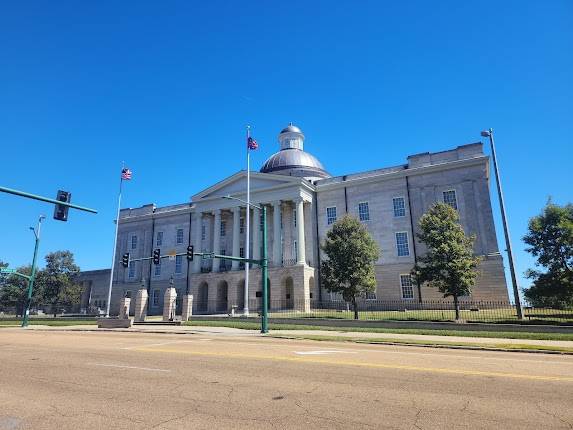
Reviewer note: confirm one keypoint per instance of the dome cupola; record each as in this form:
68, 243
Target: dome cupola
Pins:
292, 160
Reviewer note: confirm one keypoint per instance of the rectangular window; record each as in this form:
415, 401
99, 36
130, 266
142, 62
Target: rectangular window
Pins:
242, 252
399, 206
223, 252
223, 228
203, 232
178, 263
330, 215
402, 244
371, 296
134, 242
295, 250
155, 297
179, 236
131, 270
363, 211
294, 217
450, 198
407, 287
157, 269
241, 225
159, 239
262, 223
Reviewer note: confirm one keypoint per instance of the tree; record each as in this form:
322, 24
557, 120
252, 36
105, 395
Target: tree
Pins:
351, 253
550, 240
57, 280
14, 291
449, 263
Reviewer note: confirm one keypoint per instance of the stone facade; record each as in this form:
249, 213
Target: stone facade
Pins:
389, 201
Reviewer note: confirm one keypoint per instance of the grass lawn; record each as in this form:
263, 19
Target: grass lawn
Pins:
489, 334
53, 322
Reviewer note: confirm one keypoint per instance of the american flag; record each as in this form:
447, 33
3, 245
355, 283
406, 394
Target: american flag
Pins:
126, 174
252, 143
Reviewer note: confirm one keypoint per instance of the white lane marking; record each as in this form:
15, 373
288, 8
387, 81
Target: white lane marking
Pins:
157, 344
324, 351
119, 366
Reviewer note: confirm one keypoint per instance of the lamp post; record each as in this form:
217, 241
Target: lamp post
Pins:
263, 262
33, 271
489, 133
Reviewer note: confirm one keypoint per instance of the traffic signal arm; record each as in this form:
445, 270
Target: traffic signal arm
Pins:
45, 199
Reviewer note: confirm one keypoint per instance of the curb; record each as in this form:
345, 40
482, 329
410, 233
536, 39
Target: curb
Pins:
432, 345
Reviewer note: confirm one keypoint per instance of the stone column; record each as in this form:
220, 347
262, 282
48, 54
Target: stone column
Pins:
217, 240
141, 305
277, 245
187, 310
197, 241
169, 304
124, 308
256, 233
300, 243
236, 237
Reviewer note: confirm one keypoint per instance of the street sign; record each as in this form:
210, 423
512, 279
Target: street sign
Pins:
7, 271
172, 254
208, 255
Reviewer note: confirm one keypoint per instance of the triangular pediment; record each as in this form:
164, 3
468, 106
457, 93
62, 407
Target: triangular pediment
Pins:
237, 184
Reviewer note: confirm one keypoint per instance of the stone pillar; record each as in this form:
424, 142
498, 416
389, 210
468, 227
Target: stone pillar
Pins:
141, 305
277, 245
197, 241
256, 234
236, 237
124, 308
217, 240
300, 243
187, 310
169, 304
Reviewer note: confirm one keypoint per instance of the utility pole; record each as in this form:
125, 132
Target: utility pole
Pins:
33, 272
489, 133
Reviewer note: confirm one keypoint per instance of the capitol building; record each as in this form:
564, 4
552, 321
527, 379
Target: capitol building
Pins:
303, 200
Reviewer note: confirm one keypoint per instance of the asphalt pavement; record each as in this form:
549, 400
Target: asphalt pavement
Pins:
217, 379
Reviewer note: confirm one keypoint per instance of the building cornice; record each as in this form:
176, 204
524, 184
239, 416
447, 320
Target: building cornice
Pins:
386, 176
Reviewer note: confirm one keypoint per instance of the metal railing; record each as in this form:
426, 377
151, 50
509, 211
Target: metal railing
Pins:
399, 310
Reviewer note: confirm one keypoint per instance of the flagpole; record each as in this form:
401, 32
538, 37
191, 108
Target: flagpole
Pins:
114, 243
248, 221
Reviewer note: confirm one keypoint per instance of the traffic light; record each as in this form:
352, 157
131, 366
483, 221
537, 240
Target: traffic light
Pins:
190, 253
61, 211
156, 256
125, 259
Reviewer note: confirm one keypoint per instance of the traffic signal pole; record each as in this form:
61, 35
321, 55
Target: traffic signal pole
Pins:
26, 313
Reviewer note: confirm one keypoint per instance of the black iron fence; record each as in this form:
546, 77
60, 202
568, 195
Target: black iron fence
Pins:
379, 310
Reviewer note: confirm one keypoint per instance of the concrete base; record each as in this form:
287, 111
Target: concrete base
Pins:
187, 308
141, 305
169, 304
114, 322
124, 308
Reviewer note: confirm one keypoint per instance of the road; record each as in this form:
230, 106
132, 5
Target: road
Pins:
209, 380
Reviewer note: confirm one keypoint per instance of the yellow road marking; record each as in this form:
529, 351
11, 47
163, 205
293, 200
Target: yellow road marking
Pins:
308, 359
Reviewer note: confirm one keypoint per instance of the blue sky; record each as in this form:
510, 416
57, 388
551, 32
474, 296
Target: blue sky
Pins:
169, 86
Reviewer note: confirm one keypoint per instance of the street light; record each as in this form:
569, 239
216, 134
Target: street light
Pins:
33, 272
489, 133
263, 262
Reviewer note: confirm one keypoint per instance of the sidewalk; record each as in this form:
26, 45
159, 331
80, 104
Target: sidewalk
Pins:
326, 335
424, 338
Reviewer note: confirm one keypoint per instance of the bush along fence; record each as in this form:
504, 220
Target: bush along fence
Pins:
379, 310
